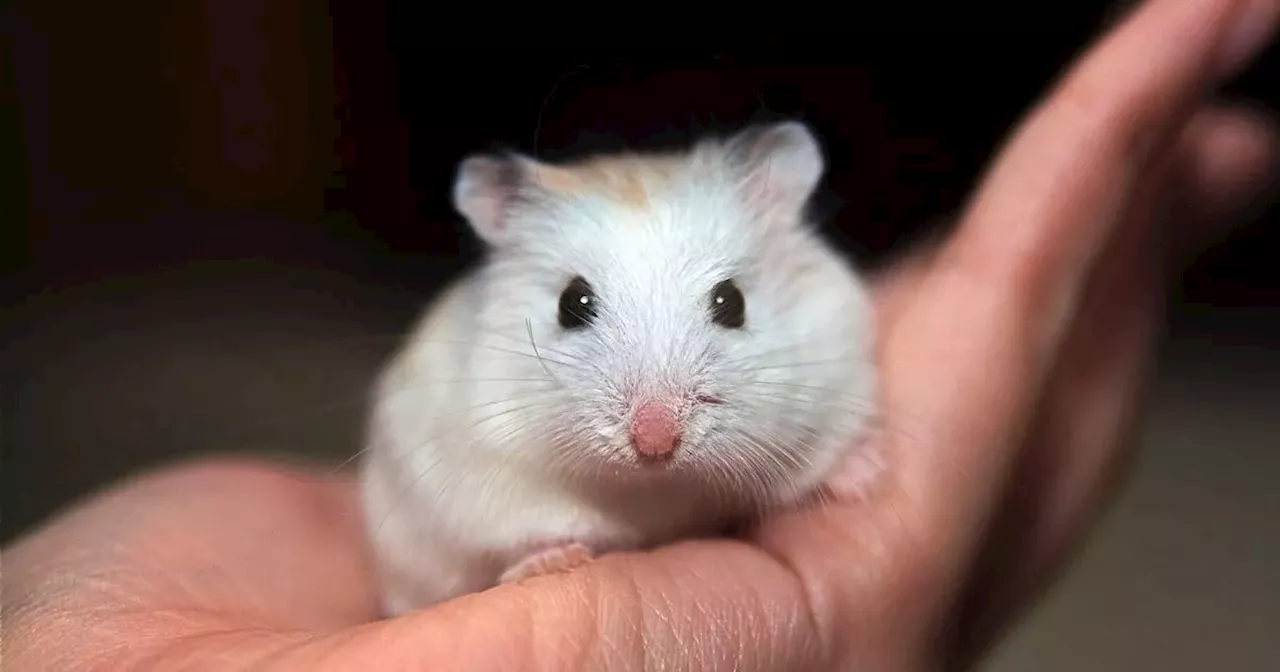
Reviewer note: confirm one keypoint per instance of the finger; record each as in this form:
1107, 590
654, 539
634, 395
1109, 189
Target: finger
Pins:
1226, 157
1082, 438
967, 361
1232, 163
694, 606
1097, 134
1231, 168
1234, 160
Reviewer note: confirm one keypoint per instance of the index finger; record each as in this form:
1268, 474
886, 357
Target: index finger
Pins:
969, 356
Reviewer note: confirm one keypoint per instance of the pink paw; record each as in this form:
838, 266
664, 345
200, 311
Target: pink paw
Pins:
854, 477
550, 561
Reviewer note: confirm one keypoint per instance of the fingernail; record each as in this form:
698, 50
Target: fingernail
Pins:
1255, 24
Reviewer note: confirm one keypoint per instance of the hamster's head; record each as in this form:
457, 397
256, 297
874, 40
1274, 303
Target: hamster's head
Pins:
676, 316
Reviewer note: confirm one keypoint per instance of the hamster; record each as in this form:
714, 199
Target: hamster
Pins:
655, 344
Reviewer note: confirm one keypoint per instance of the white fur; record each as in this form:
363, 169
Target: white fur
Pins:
495, 432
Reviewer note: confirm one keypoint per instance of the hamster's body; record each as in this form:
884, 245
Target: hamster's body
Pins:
656, 345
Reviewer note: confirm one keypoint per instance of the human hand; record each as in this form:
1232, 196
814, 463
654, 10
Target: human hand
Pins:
1012, 358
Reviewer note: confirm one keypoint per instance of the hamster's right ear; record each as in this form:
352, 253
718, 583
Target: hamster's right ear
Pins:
483, 190
781, 162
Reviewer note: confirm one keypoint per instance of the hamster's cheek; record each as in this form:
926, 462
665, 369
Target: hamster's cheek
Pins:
609, 432
698, 429
712, 429
598, 435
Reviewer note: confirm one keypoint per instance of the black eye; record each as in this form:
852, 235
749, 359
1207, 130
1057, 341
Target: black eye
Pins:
577, 304
728, 308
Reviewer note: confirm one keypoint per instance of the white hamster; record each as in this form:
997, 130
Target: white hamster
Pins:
655, 344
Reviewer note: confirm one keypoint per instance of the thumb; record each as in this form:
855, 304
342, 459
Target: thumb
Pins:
694, 606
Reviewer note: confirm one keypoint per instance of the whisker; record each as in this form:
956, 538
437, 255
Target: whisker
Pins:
500, 437
461, 381
458, 473
818, 388
796, 365
826, 396
451, 413
762, 465
517, 353
521, 342
810, 405
480, 421
529, 327
354, 456
801, 345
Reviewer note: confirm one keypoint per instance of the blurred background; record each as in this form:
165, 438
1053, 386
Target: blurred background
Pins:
219, 216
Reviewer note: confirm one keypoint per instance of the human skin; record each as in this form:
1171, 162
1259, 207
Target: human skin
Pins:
1013, 356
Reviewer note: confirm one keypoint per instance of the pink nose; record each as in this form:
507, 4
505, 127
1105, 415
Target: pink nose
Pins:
655, 431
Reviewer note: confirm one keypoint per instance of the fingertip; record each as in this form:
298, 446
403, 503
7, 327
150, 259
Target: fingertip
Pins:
1233, 156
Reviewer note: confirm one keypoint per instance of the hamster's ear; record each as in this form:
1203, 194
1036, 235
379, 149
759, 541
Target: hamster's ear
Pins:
781, 164
486, 186
483, 189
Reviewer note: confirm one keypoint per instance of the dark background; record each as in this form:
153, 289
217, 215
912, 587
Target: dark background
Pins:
344, 121
196, 193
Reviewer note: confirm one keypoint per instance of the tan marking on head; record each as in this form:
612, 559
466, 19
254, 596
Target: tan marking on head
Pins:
558, 179
630, 179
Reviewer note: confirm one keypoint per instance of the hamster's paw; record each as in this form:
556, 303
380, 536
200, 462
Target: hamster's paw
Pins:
396, 603
549, 561
855, 477
393, 606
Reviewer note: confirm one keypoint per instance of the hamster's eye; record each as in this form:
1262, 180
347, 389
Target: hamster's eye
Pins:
728, 308
577, 304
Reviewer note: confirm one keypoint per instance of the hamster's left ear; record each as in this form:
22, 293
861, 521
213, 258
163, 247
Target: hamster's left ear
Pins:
488, 185
483, 190
780, 163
